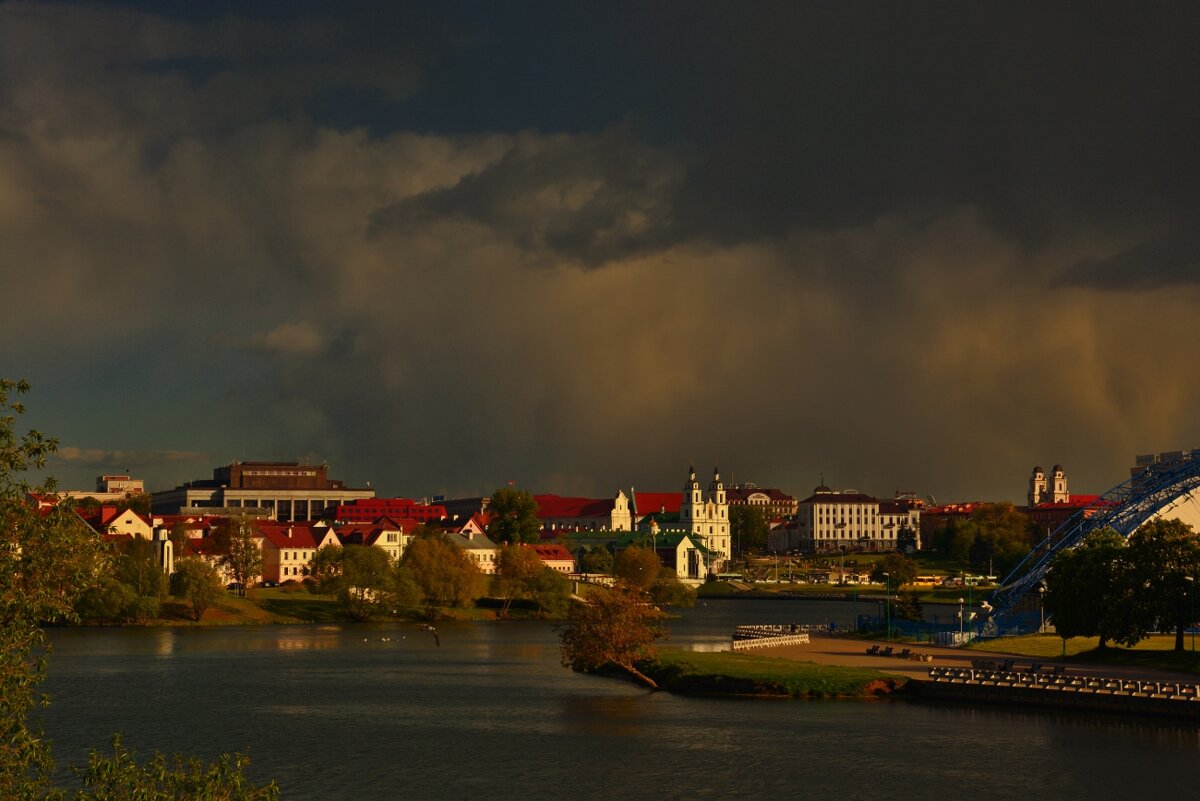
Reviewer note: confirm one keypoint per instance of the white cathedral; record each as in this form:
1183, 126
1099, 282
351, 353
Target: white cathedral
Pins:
706, 515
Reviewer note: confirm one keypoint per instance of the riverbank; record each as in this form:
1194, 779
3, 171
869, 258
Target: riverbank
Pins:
753, 675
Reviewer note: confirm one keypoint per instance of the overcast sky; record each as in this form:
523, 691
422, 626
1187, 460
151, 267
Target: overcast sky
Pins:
442, 246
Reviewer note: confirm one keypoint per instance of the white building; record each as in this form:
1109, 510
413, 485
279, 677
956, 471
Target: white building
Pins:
829, 520
706, 516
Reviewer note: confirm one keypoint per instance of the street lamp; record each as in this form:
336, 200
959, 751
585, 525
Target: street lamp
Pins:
887, 600
1192, 608
960, 620
1042, 608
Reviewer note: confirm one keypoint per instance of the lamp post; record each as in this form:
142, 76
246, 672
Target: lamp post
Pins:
887, 600
960, 620
1192, 608
1042, 608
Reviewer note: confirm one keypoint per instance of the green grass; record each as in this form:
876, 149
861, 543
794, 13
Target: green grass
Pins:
730, 673
1153, 652
298, 604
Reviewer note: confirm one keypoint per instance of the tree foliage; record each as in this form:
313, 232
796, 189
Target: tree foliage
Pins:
196, 582
1164, 558
637, 567
617, 626
596, 559
749, 526
516, 569
995, 538
1118, 590
1088, 585
120, 778
899, 568
244, 558
514, 516
444, 574
366, 582
47, 559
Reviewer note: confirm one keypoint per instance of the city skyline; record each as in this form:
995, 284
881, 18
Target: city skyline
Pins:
446, 246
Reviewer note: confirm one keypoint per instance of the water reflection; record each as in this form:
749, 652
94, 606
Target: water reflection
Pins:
492, 712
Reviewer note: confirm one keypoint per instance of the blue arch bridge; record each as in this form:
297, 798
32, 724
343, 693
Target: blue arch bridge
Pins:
1161, 486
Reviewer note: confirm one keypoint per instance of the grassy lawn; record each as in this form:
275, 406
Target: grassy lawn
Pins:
296, 604
1153, 652
735, 673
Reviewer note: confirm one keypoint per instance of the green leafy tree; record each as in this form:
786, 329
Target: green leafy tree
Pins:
444, 574
637, 567
47, 558
668, 590
119, 777
900, 569
196, 582
107, 601
138, 567
749, 526
551, 591
1089, 591
1165, 559
516, 569
325, 565
617, 626
244, 558
366, 583
514, 516
596, 559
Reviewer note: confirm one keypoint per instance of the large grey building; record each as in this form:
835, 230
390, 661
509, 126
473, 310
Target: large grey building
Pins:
284, 491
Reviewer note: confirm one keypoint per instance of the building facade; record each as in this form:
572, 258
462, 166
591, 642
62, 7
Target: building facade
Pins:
705, 515
283, 491
849, 520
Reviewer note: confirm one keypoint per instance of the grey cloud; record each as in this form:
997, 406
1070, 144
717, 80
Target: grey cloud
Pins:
120, 459
592, 198
1173, 261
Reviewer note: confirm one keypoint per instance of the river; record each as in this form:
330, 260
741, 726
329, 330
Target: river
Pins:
381, 712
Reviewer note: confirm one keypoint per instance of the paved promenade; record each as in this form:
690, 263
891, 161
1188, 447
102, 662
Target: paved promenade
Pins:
834, 650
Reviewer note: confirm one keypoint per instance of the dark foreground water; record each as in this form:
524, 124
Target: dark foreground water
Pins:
492, 715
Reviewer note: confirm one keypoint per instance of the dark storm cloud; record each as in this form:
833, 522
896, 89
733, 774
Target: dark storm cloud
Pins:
1150, 265
574, 248
586, 198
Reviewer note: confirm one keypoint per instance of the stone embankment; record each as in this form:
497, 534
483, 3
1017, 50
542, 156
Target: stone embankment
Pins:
1059, 690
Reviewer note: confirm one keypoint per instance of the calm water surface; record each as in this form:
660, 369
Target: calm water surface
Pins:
491, 713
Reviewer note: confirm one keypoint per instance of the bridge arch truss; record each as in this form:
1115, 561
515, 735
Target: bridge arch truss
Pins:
1123, 508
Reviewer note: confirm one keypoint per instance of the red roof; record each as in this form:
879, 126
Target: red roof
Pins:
649, 503
289, 536
558, 506
552, 553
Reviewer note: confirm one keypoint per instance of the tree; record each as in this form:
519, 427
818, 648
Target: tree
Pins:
120, 777
749, 526
197, 582
1088, 591
551, 591
48, 557
900, 569
616, 626
668, 590
516, 569
596, 559
326, 564
367, 581
1164, 555
513, 516
637, 567
245, 557
443, 572
137, 566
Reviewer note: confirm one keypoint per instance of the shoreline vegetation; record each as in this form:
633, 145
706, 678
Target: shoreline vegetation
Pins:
729, 674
